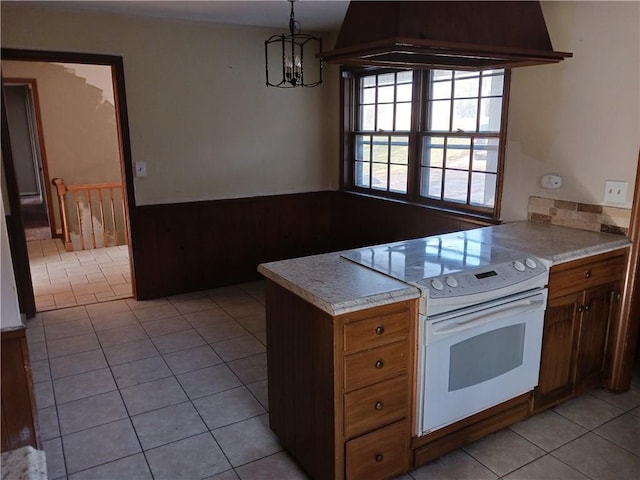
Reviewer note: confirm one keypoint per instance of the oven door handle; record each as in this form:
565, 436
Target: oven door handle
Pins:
510, 309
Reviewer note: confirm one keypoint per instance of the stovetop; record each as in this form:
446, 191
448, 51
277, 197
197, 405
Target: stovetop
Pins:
460, 264
422, 258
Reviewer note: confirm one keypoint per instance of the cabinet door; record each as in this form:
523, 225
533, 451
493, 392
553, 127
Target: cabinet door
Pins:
559, 342
597, 310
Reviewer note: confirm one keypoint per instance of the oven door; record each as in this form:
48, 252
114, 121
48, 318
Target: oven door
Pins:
479, 357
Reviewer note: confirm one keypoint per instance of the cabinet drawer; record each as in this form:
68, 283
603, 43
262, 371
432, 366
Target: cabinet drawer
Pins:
375, 406
374, 332
586, 275
366, 368
380, 454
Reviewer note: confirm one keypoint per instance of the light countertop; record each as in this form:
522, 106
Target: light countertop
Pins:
554, 243
25, 463
338, 286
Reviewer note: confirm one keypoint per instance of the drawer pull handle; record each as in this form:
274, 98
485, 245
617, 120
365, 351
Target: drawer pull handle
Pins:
379, 458
379, 405
580, 309
587, 308
379, 364
379, 330
588, 274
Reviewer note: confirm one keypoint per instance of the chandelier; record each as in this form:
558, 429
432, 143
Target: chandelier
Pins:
286, 52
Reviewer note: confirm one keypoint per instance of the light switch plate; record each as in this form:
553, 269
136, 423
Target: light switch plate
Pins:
615, 191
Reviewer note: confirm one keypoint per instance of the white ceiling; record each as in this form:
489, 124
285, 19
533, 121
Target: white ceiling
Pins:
313, 15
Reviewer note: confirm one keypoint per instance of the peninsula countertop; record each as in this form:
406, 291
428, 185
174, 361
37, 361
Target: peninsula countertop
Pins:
337, 285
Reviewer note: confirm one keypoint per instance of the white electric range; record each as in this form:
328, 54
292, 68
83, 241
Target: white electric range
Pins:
480, 319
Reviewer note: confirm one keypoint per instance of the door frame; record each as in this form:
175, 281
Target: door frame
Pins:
628, 332
122, 121
32, 85
13, 219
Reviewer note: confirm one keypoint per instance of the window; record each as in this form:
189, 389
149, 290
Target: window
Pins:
434, 137
384, 122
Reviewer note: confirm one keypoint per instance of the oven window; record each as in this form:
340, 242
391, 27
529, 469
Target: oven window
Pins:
486, 356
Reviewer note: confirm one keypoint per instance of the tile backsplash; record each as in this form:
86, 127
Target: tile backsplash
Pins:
584, 216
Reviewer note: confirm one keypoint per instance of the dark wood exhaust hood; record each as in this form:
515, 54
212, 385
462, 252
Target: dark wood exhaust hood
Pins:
471, 35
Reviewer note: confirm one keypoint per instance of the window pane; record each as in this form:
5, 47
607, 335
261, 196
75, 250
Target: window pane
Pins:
455, 185
490, 113
404, 92
441, 90
492, 85
367, 117
403, 116
385, 94
485, 154
467, 87
458, 153
386, 79
363, 148
405, 76
399, 150
431, 183
362, 177
385, 117
464, 115
439, 115
483, 189
379, 176
398, 178
369, 81
465, 74
433, 151
441, 74
368, 95
380, 152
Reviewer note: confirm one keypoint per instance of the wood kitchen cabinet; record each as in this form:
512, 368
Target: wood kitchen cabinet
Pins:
341, 387
581, 312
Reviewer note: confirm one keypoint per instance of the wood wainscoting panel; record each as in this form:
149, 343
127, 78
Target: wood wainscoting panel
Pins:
198, 245
184, 247
358, 220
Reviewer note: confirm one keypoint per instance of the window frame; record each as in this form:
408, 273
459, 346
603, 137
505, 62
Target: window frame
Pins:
349, 93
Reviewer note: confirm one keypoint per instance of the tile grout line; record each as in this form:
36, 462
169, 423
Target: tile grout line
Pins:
102, 347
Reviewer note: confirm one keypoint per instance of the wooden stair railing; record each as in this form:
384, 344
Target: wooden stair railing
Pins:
89, 197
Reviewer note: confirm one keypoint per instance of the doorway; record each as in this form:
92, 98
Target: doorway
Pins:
89, 156
25, 128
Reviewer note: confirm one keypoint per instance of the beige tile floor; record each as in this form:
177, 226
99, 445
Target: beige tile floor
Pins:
65, 279
176, 388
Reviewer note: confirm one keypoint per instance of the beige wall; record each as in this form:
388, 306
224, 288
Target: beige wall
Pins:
200, 114
579, 118
97, 75
206, 125
78, 122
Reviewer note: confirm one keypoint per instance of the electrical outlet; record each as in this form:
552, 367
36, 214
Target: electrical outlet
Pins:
141, 169
615, 192
551, 181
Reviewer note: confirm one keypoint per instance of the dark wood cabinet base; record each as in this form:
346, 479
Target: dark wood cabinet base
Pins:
19, 418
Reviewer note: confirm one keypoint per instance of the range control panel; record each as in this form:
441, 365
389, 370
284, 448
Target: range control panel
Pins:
486, 279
